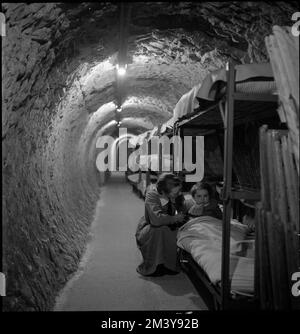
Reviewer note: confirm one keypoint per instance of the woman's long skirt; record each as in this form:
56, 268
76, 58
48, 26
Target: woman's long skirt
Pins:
158, 246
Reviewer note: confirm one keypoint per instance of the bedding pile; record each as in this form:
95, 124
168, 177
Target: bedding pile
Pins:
249, 79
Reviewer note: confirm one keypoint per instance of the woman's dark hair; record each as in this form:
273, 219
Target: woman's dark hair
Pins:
202, 186
166, 182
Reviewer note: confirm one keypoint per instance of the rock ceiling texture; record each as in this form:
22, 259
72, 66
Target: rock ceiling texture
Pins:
59, 90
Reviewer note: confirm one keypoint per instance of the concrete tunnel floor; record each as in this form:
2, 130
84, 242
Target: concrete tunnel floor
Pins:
106, 279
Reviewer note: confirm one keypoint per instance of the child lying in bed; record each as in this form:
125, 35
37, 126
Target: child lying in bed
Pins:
204, 204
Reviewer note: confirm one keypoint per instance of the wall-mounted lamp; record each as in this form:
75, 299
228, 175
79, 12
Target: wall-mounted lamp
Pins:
118, 124
119, 109
121, 69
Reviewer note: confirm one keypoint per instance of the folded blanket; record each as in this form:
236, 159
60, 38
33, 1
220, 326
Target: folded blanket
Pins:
187, 103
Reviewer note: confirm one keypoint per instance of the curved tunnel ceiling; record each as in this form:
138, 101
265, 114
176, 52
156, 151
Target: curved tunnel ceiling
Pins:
58, 97
172, 46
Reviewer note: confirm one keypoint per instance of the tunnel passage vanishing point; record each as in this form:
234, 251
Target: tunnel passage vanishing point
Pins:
58, 97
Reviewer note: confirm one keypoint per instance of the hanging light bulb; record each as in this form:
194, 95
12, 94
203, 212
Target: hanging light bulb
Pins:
121, 69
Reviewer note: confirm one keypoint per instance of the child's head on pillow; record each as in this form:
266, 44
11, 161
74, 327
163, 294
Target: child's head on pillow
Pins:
202, 193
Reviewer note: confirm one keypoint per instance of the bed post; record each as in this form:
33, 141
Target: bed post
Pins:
177, 131
160, 158
228, 147
148, 164
181, 173
139, 159
173, 155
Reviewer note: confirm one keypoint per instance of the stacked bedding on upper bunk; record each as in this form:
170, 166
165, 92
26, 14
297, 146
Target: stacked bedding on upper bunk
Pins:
187, 102
202, 238
249, 79
167, 127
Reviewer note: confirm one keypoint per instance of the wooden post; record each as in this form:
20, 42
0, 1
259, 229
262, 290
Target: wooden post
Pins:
264, 167
178, 132
281, 267
266, 268
272, 256
283, 49
271, 177
258, 244
160, 159
295, 181
182, 151
290, 180
282, 207
228, 136
292, 199
285, 245
148, 164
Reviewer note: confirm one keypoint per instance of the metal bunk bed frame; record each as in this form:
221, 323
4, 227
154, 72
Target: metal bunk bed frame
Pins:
223, 295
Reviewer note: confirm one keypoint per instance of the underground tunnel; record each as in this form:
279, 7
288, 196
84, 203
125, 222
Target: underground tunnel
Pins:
59, 95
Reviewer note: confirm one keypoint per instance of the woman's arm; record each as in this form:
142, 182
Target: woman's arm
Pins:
155, 211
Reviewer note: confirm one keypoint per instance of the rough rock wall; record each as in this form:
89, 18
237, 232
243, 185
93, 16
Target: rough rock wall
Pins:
231, 26
50, 186
46, 206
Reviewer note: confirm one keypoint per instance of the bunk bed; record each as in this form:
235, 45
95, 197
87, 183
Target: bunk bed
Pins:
167, 127
229, 98
223, 255
144, 177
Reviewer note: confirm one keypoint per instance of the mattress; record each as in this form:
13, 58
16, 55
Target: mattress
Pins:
202, 238
255, 78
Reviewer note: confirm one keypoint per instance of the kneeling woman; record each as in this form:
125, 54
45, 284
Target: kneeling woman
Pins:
156, 231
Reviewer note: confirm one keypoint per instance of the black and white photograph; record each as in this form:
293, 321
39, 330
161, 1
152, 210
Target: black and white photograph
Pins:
150, 161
